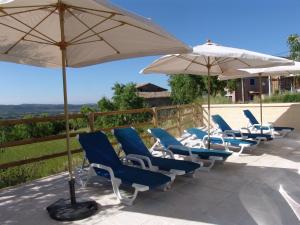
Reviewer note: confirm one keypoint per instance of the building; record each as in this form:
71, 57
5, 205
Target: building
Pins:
154, 95
248, 89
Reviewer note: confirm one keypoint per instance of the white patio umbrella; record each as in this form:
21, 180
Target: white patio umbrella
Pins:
212, 59
270, 71
76, 33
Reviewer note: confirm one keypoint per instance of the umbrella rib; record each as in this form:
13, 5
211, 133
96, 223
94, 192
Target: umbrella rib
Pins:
181, 57
224, 60
91, 29
85, 42
84, 32
158, 63
95, 10
190, 63
39, 42
129, 24
33, 28
87, 37
26, 25
21, 31
242, 62
27, 6
25, 11
205, 60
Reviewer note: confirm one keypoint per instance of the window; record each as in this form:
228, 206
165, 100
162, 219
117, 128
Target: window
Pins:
252, 81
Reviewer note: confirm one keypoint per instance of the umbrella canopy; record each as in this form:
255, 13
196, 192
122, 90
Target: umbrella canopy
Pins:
222, 61
275, 71
212, 59
94, 32
76, 33
271, 71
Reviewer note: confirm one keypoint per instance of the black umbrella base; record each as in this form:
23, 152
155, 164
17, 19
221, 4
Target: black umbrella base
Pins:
63, 210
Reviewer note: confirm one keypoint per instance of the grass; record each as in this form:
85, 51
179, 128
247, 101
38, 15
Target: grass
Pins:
214, 100
29, 172
16, 175
282, 98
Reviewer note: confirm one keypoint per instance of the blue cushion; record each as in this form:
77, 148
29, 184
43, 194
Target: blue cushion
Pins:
214, 140
99, 150
168, 164
132, 144
130, 175
171, 143
250, 116
201, 152
254, 136
165, 138
253, 121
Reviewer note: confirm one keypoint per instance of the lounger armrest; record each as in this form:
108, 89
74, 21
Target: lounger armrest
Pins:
135, 159
109, 170
245, 129
184, 137
188, 148
163, 150
269, 126
142, 157
231, 133
205, 138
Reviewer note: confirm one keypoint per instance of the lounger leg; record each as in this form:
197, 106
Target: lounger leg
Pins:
207, 168
240, 152
124, 199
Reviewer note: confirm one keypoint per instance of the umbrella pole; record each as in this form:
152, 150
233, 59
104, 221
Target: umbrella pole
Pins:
208, 98
66, 112
65, 209
243, 90
260, 103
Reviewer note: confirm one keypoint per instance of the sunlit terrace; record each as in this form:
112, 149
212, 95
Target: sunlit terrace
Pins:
258, 187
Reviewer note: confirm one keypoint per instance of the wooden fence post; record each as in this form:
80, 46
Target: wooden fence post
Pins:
179, 119
155, 117
91, 120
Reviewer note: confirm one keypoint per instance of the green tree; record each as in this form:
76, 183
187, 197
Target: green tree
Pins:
187, 88
294, 46
124, 97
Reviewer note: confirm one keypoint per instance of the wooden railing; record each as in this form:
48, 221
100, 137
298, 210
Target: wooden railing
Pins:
175, 117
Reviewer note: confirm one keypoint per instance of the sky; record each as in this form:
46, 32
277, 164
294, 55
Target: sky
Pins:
257, 25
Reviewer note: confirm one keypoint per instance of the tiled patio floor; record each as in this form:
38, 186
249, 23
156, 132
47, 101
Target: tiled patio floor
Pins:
245, 190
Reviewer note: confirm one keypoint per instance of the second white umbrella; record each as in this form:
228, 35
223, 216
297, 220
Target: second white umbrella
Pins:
212, 59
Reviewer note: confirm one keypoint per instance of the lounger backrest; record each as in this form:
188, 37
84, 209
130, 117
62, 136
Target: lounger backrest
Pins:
99, 150
221, 123
164, 137
197, 132
131, 142
250, 117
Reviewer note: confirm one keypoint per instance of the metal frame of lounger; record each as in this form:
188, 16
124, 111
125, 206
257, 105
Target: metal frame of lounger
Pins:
269, 128
116, 182
172, 173
192, 157
204, 143
231, 133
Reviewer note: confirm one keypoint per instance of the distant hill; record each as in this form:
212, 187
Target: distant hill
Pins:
18, 111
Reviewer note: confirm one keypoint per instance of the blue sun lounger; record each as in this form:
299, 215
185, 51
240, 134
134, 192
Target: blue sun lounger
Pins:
202, 138
105, 163
227, 130
133, 146
171, 144
269, 128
